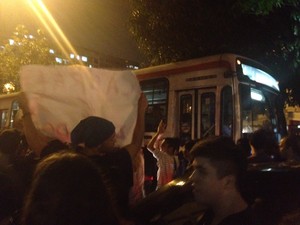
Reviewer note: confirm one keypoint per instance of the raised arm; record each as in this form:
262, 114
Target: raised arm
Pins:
138, 133
160, 130
35, 139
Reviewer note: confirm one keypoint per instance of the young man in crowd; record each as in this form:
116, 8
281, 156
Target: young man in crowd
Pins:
164, 152
218, 168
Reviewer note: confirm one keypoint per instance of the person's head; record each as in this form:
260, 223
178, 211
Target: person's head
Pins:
188, 147
264, 141
218, 168
10, 140
290, 147
53, 146
94, 133
244, 145
68, 189
170, 145
9, 196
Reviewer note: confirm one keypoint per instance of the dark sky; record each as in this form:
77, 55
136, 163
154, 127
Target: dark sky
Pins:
99, 25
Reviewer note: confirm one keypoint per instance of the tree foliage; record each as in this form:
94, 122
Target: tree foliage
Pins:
26, 49
264, 7
173, 30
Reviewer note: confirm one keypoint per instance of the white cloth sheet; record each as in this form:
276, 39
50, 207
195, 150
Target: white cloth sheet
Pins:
60, 96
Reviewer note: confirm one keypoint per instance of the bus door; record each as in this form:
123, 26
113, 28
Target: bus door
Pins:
186, 116
206, 115
197, 114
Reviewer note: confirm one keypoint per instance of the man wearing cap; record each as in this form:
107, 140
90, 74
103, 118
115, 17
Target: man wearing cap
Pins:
95, 137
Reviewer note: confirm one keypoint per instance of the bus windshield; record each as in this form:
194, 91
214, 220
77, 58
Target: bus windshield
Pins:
258, 109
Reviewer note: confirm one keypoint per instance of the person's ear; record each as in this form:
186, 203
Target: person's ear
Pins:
229, 181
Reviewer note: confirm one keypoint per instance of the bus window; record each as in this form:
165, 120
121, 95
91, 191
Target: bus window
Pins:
3, 117
226, 111
207, 114
156, 92
14, 109
186, 107
257, 114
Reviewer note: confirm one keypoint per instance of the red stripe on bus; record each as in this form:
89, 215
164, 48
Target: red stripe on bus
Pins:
203, 66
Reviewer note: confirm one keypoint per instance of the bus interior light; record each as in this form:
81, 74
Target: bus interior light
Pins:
257, 95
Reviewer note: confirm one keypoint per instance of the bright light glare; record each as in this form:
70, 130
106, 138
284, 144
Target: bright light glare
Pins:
267, 169
8, 88
84, 58
257, 95
50, 24
180, 183
59, 60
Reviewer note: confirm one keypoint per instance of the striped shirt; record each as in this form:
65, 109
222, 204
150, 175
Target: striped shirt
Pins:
166, 167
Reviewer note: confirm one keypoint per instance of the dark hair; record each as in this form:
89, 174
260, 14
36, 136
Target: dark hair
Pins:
223, 155
173, 143
244, 145
10, 141
189, 145
53, 146
264, 140
257, 138
9, 196
292, 141
68, 189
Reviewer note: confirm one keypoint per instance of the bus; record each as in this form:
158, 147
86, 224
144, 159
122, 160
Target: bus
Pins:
9, 107
225, 94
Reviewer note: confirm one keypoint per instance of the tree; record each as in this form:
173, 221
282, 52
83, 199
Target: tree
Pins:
264, 6
175, 30
23, 49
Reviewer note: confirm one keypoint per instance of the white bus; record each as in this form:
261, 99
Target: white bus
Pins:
223, 94
9, 106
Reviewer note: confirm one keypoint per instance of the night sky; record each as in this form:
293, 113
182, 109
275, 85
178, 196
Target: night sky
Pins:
99, 25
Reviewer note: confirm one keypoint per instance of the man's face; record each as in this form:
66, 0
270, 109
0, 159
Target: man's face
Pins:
206, 184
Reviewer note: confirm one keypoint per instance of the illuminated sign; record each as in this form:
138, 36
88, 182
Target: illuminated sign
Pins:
257, 95
259, 76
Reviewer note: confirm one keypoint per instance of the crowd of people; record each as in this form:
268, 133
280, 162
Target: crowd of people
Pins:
92, 181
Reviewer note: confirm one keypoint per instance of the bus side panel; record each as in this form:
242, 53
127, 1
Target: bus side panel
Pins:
6, 111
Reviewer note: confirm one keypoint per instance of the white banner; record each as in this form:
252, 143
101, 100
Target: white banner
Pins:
60, 96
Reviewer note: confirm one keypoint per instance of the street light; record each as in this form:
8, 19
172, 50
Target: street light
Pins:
8, 88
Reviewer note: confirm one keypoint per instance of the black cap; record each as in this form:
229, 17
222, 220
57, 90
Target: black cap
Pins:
92, 131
